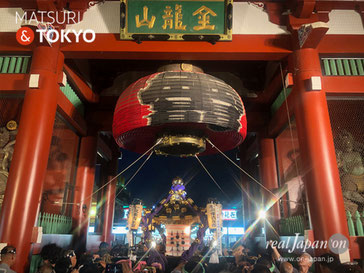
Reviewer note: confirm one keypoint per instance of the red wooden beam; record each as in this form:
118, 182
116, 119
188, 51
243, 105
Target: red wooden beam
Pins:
270, 92
303, 8
25, 4
343, 85
242, 47
313, 34
83, 89
280, 118
109, 46
13, 83
46, 5
69, 112
342, 44
333, 85
328, 5
9, 44
321, 5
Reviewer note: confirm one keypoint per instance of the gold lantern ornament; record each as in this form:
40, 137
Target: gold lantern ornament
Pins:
214, 211
135, 215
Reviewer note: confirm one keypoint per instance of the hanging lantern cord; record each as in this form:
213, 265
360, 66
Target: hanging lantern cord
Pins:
120, 173
137, 171
203, 166
236, 165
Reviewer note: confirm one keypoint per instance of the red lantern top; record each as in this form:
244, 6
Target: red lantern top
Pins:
179, 103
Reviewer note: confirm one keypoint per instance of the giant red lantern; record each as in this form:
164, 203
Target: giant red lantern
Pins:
179, 110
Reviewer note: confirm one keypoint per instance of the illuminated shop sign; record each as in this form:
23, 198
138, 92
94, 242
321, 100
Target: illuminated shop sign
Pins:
225, 231
236, 230
229, 214
126, 213
209, 20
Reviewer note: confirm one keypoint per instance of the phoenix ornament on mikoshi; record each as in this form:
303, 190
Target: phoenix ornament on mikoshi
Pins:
179, 110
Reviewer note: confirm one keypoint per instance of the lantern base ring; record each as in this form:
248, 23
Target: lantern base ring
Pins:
180, 145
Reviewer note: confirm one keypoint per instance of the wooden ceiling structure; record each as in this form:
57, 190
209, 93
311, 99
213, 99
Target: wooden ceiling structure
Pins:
259, 54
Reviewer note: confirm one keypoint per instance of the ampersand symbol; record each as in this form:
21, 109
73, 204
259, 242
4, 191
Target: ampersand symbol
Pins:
25, 36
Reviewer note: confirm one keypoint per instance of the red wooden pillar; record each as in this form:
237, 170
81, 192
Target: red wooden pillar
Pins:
30, 158
83, 190
268, 174
109, 211
317, 147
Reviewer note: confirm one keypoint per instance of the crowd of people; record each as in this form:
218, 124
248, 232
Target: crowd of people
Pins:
239, 259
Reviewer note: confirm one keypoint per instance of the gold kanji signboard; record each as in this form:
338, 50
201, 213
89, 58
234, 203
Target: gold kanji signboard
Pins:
176, 20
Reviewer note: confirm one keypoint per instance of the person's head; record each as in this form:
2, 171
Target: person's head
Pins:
161, 248
106, 258
259, 268
104, 246
286, 267
50, 253
238, 250
145, 247
305, 261
71, 255
246, 249
8, 255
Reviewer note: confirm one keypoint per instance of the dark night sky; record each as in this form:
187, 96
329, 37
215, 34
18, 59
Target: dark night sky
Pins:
153, 181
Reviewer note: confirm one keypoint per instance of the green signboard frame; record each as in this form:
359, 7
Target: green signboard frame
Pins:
191, 20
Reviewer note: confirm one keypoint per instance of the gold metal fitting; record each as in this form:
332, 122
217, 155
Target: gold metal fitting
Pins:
186, 67
11, 125
180, 145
